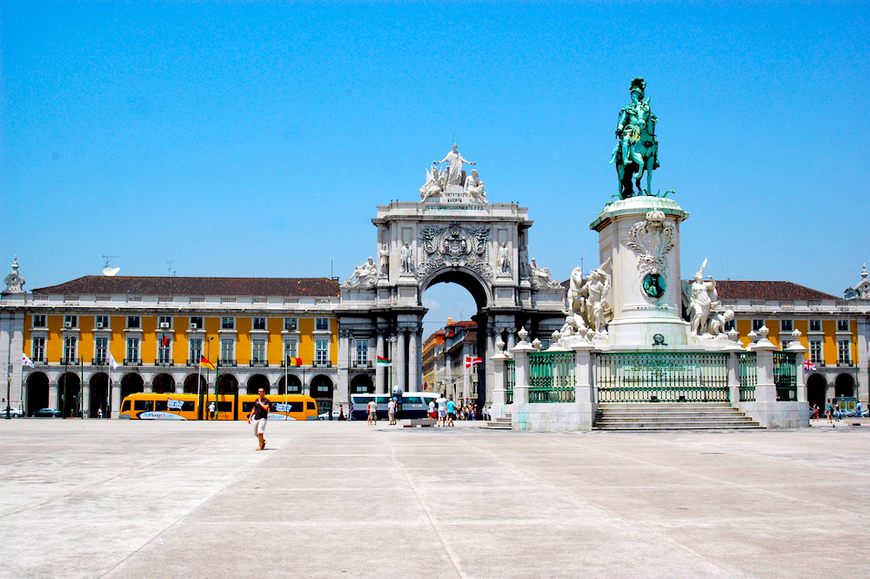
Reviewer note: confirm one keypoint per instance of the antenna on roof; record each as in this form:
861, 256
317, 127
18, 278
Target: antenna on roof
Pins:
108, 270
169, 268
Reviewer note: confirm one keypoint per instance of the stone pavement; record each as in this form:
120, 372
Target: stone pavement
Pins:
193, 499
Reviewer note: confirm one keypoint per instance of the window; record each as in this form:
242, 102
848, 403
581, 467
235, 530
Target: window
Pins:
321, 352
757, 325
228, 323
69, 350
289, 349
815, 325
133, 322
70, 321
786, 325
259, 323
38, 350
258, 351
132, 351
290, 324
164, 322
843, 325
164, 350
101, 348
196, 322
39, 321
362, 352
101, 322
730, 325
321, 324
844, 352
195, 350
227, 351
816, 352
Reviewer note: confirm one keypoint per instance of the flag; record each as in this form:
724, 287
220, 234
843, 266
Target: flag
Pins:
165, 341
384, 362
27, 361
291, 361
810, 367
204, 363
111, 362
470, 361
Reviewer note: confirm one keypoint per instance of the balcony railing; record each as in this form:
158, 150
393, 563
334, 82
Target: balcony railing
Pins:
259, 363
362, 364
69, 361
230, 363
844, 364
164, 363
132, 361
98, 362
323, 364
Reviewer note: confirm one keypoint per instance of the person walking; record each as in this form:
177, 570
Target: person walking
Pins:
211, 409
451, 411
442, 410
391, 411
373, 412
829, 411
258, 417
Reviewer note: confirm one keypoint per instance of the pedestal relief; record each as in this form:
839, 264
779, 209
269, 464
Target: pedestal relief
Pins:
455, 246
652, 239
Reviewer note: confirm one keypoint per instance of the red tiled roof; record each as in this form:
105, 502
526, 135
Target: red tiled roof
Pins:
768, 290
198, 286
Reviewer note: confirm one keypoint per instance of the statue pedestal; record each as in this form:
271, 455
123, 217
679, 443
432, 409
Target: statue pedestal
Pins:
641, 237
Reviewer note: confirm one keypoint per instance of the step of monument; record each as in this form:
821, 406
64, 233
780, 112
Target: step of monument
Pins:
496, 426
673, 416
679, 426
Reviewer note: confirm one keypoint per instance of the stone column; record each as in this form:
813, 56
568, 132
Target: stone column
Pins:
799, 350
148, 387
734, 377
765, 389
86, 399
498, 409
520, 411
380, 375
413, 363
116, 398
400, 361
511, 339
53, 396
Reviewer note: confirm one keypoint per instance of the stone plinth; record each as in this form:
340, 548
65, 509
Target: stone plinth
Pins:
641, 238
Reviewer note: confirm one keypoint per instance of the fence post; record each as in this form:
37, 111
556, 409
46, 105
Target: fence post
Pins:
498, 409
765, 389
799, 350
583, 389
521, 358
734, 348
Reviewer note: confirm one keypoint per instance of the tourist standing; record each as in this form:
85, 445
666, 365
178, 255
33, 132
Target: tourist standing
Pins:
391, 411
373, 412
258, 417
442, 410
451, 411
829, 411
432, 413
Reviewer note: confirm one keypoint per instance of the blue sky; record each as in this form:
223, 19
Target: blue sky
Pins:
257, 138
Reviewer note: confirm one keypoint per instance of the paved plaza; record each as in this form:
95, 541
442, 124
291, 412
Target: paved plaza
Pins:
193, 499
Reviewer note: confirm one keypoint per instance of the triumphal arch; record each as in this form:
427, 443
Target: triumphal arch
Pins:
452, 234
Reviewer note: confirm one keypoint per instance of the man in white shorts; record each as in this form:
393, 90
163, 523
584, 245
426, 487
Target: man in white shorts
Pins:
258, 417
442, 410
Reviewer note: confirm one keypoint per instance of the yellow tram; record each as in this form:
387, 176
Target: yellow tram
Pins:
148, 406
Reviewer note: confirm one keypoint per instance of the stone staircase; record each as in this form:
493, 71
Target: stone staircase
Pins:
498, 424
675, 416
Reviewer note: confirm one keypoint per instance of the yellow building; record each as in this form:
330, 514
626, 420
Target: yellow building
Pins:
834, 330
148, 334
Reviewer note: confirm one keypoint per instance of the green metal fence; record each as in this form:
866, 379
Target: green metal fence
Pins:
551, 377
785, 376
748, 375
510, 368
662, 377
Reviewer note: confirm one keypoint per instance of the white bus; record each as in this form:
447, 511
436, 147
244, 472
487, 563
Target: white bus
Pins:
410, 405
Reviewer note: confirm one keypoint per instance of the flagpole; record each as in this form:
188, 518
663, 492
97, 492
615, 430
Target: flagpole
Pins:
82, 388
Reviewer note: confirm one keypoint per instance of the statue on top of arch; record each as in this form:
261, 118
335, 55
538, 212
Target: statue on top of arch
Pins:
453, 179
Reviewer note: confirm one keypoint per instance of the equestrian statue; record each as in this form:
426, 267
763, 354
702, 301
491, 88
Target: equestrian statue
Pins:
637, 150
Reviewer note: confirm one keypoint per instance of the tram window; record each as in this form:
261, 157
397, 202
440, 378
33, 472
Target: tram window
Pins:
188, 406
126, 406
383, 400
311, 406
225, 407
247, 407
411, 400
146, 405
160, 405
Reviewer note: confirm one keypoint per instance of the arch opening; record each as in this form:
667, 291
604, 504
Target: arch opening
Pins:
99, 395
256, 382
37, 392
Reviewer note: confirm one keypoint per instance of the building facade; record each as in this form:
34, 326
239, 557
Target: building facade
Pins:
444, 361
96, 339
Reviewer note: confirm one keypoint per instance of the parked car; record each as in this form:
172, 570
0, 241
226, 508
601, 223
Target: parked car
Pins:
325, 415
13, 412
50, 412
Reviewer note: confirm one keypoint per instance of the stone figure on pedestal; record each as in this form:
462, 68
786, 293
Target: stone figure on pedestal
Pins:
474, 187
717, 323
637, 150
366, 273
407, 259
455, 174
597, 292
541, 276
504, 259
702, 300
435, 183
384, 260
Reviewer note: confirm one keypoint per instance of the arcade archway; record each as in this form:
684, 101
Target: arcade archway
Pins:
228, 384
38, 395
256, 382
99, 396
190, 385
294, 385
817, 388
131, 384
69, 386
321, 390
844, 385
362, 384
163, 384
